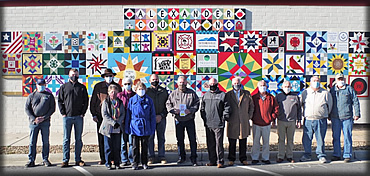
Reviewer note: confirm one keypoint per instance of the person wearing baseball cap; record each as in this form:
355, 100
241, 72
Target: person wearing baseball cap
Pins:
346, 109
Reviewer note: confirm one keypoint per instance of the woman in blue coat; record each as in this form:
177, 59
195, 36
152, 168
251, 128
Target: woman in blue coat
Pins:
140, 122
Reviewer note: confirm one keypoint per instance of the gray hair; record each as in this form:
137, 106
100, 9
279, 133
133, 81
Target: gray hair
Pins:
260, 82
182, 77
127, 80
237, 78
287, 82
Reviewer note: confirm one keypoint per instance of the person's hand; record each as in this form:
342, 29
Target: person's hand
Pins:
64, 115
158, 118
187, 111
39, 120
273, 124
299, 124
356, 117
177, 111
116, 125
95, 119
82, 115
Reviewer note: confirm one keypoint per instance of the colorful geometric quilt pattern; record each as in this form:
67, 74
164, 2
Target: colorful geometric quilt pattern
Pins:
33, 42
202, 85
141, 41
359, 64
273, 64
274, 83
337, 63
185, 64
337, 42
295, 63
167, 82
75, 60
273, 41
117, 41
12, 64
297, 82
96, 62
316, 64
53, 42
316, 42
359, 42
162, 41
295, 41
250, 41
29, 84
11, 42
228, 41
53, 63
32, 64
207, 64
74, 41
96, 41
53, 83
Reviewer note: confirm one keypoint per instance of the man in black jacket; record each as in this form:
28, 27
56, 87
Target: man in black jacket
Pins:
73, 102
99, 94
214, 111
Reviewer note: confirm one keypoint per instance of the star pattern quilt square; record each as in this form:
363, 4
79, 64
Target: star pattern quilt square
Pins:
337, 63
274, 83
191, 79
360, 83
273, 41
136, 66
77, 61
246, 65
295, 63
185, 64
207, 64
228, 41
167, 82
273, 63
322, 78
91, 82
53, 63
32, 42
29, 84
295, 41
12, 64
96, 63
32, 64
250, 41
54, 82
316, 64
359, 64
53, 42
316, 41
184, 41
119, 41
141, 41
359, 42
207, 41
74, 41
11, 42
96, 42
202, 83
163, 63
337, 42
297, 82
162, 41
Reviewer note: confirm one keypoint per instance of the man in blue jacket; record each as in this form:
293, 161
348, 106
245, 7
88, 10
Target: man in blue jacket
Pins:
342, 116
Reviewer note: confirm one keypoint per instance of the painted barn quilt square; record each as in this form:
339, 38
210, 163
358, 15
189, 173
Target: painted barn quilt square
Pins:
295, 42
273, 41
141, 41
217, 25
229, 25
53, 63
337, 63
185, 64
297, 82
202, 84
54, 82
207, 64
162, 41
191, 79
167, 82
12, 64
323, 81
337, 42
29, 84
295, 63
274, 83
273, 63
91, 82
117, 41
184, 25
74, 41
162, 25
129, 25
96, 42
53, 42
137, 66
96, 63
359, 64
173, 25
163, 63
246, 65
32, 64
184, 41
128, 13
207, 41
250, 41
359, 42
228, 41
206, 25
11, 42
218, 13
317, 64
316, 41
33, 42
162, 13
360, 83
185, 13
75, 60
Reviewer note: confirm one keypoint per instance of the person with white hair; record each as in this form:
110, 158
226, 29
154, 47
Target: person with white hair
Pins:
317, 104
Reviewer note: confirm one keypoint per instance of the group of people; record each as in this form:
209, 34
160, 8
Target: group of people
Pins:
127, 120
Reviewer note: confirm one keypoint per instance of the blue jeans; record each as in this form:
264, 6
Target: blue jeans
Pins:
44, 127
319, 128
161, 129
78, 123
337, 126
125, 157
180, 136
112, 149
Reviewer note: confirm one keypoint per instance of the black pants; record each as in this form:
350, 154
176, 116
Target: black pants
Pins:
136, 140
242, 149
215, 145
100, 140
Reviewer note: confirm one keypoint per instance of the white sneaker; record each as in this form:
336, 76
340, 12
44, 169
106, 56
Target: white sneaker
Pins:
304, 159
322, 160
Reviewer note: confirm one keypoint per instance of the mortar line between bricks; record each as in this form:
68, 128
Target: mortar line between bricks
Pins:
17, 141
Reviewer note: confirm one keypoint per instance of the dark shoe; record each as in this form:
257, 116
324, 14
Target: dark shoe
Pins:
231, 163
181, 161
347, 160
163, 161
80, 163
46, 163
101, 162
255, 161
135, 167
145, 166
291, 160
266, 161
111, 167
279, 160
211, 164
150, 161
30, 164
245, 162
335, 158
194, 162
64, 164
220, 166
